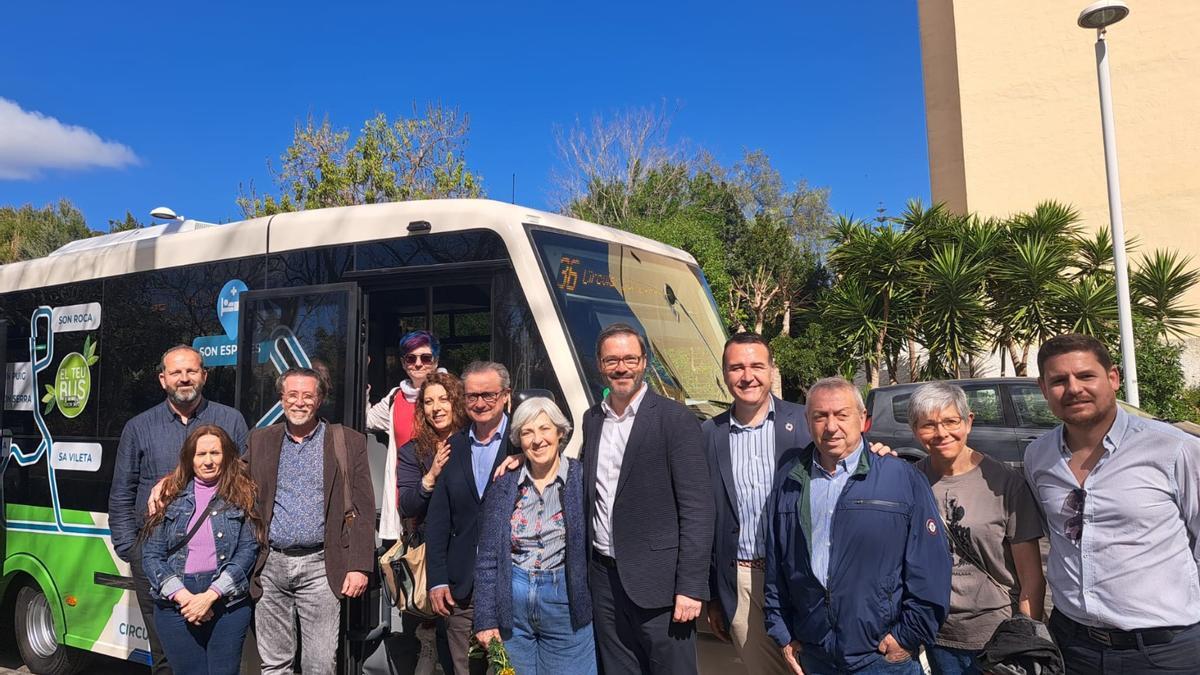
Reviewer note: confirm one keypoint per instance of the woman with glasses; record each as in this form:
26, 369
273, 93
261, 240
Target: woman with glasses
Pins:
531, 587
199, 552
396, 414
993, 525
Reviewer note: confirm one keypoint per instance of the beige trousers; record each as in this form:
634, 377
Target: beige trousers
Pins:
748, 630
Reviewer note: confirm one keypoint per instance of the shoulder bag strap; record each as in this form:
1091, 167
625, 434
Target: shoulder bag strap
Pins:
339, 455
191, 533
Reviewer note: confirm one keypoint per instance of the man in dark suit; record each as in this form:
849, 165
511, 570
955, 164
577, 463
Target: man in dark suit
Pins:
650, 517
319, 551
744, 446
452, 523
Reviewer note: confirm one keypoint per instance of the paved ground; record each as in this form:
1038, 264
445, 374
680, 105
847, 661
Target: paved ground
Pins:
715, 659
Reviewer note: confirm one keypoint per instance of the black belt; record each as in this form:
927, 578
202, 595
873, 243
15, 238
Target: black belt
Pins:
298, 550
1116, 639
604, 560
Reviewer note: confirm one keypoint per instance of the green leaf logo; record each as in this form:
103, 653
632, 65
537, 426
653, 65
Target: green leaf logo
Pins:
73, 382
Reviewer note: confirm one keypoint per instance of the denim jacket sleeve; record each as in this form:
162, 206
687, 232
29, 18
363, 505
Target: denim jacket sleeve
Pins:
164, 581
233, 577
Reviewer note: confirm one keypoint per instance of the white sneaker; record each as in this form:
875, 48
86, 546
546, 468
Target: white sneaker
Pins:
427, 662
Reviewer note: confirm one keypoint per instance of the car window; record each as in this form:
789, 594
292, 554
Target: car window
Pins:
900, 408
985, 403
1032, 409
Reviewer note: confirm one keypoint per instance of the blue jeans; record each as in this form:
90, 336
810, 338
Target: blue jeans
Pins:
212, 648
951, 661
815, 666
542, 640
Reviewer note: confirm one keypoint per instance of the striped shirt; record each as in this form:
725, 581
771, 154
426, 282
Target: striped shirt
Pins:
539, 533
752, 454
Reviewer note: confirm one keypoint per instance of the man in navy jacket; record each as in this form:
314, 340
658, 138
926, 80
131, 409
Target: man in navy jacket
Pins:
745, 445
649, 509
858, 565
452, 523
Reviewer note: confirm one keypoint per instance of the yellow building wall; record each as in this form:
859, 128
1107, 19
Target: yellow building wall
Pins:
1013, 113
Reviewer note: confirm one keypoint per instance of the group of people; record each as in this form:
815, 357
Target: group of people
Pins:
223, 527
815, 551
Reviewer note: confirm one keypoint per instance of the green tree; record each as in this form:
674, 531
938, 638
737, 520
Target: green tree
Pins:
1158, 286
417, 157
126, 223
27, 232
811, 354
1162, 389
882, 261
1030, 277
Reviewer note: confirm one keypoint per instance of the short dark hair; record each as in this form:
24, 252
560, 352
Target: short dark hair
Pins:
322, 383
162, 360
620, 329
1072, 342
747, 338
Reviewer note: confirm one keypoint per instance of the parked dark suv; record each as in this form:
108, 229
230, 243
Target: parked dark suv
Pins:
1010, 412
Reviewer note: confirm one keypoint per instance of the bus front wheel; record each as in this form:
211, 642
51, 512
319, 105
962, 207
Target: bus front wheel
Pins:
36, 638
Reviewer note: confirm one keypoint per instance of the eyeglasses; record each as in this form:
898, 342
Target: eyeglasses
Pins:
630, 361
485, 396
294, 397
411, 359
949, 424
1073, 509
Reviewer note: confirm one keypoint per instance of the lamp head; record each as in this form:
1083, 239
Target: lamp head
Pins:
1102, 14
164, 213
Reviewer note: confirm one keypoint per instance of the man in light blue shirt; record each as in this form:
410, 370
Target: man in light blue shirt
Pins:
1121, 498
824, 491
484, 447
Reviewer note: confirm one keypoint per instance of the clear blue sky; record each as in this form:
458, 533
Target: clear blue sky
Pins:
203, 94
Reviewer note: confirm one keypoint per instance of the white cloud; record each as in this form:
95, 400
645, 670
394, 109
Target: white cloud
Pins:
31, 142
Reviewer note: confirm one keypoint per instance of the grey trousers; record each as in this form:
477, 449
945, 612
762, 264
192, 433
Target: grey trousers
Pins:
297, 586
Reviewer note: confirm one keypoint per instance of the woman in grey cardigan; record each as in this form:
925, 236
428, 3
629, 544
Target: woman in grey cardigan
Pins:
531, 567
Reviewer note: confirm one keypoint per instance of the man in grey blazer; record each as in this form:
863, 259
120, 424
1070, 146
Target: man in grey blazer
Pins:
649, 506
744, 446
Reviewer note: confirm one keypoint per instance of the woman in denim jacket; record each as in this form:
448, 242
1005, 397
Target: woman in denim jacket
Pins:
201, 583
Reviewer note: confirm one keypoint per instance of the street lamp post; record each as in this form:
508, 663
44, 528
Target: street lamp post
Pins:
1101, 15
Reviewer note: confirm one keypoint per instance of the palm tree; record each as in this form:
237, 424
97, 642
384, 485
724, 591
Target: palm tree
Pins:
954, 322
1158, 285
882, 260
1029, 275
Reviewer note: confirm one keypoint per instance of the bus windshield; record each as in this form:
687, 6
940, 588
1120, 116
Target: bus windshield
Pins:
597, 283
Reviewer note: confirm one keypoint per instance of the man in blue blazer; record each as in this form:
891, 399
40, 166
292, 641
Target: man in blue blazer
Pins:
649, 506
744, 447
453, 520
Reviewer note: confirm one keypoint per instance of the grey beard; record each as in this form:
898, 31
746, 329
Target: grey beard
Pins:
179, 397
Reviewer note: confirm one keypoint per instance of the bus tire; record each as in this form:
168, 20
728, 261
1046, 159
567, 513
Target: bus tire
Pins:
36, 638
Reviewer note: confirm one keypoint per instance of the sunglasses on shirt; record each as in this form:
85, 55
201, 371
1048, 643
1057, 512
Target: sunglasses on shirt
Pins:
1073, 509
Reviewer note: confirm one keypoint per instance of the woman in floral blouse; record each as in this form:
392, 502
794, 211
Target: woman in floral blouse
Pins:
531, 569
